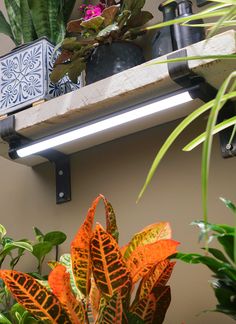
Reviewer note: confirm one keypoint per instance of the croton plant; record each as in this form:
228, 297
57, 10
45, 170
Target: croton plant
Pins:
98, 278
107, 21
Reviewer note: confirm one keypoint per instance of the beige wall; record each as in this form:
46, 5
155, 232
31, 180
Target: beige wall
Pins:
118, 169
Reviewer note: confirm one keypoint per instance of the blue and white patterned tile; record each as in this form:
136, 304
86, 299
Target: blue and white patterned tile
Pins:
25, 77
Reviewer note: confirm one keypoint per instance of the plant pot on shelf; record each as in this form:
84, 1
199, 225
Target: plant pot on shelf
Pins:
109, 59
25, 76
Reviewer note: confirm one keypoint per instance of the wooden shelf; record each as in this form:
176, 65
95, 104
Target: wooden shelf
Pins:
119, 91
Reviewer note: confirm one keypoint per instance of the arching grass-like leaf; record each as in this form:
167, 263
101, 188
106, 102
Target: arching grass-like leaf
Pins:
59, 281
109, 269
177, 131
148, 235
14, 15
218, 128
34, 297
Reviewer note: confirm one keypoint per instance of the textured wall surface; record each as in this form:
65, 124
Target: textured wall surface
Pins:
118, 169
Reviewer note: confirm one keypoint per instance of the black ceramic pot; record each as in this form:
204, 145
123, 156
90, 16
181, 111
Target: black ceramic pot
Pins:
109, 59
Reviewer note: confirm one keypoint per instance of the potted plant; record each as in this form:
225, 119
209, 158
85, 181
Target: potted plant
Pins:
103, 41
13, 251
100, 275
221, 262
35, 27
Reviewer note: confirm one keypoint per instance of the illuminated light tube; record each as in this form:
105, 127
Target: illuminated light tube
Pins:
111, 121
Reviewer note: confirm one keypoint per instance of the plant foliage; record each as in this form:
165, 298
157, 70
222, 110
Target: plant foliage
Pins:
222, 262
97, 275
29, 20
106, 22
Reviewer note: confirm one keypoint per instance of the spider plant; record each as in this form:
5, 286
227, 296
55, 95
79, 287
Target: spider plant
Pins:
224, 13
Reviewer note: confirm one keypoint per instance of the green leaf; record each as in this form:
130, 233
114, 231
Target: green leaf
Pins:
218, 128
227, 242
4, 319
55, 237
77, 66
41, 249
140, 19
53, 13
3, 232
40, 16
68, 6
59, 71
13, 11
39, 235
172, 137
107, 31
27, 26
93, 23
228, 203
217, 254
5, 28
207, 146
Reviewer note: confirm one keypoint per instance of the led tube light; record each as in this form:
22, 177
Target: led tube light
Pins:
121, 118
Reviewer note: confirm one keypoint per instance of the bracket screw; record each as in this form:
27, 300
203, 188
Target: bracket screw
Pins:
229, 147
61, 194
60, 172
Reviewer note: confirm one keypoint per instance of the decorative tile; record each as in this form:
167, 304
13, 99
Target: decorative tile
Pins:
24, 77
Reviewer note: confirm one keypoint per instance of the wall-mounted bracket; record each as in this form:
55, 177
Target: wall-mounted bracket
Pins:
227, 149
181, 74
61, 161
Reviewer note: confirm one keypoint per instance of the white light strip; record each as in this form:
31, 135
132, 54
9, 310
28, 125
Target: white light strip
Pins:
96, 127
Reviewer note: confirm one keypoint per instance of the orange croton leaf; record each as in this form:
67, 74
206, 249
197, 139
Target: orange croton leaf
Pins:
145, 309
59, 281
156, 277
111, 227
163, 296
109, 269
143, 258
74, 26
94, 298
113, 311
80, 251
152, 308
34, 297
150, 234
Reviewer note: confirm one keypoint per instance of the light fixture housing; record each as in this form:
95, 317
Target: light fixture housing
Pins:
125, 116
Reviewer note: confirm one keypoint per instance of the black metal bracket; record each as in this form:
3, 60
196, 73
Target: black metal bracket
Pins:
60, 160
181, 74
228, 149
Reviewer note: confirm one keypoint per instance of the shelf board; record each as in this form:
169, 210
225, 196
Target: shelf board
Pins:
119, 91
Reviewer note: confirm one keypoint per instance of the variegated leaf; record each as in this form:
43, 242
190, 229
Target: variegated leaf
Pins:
145, 308
34, 297
143, 258
163, 296
80, 251
113, 311
59, 281
94, 298
111, 225
152, 308
109, 269
156, 277
148, 235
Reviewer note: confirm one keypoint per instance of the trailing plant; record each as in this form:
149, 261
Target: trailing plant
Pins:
224, 13
103, 23
29, 20
101, 275
222, 262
